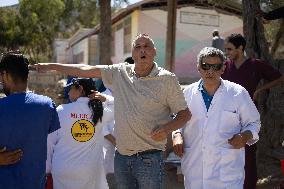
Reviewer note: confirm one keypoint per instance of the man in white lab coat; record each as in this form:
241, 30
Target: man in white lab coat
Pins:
224, 119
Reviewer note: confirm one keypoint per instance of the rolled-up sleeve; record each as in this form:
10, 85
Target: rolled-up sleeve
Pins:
249, 115
175, 96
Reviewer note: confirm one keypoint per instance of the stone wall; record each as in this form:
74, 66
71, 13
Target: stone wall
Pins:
49, 84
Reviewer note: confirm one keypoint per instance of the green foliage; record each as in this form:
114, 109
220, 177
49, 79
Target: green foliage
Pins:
33, 27
11, 36
78, 13
39, 22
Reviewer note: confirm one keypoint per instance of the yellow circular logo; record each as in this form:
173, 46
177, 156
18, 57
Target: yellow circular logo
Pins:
83, 130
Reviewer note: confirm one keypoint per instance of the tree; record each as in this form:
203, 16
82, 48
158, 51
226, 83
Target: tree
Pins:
105, 32
39, 23
270, 150
257, 45
77, 14
11, 36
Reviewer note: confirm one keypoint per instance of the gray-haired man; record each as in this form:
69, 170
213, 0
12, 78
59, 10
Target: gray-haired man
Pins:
224, 119
145, 96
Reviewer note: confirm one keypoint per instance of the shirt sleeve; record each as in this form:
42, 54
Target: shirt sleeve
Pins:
109, 100
107, 74
109, 120
177, 131
52, 140
108, 128
54, 120
175, 97
249, 117
267, 71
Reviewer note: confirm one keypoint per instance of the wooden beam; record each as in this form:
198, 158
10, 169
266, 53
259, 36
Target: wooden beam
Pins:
171, 35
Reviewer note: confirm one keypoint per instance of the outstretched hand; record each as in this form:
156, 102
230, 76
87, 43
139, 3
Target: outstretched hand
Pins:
10, 157
40, 67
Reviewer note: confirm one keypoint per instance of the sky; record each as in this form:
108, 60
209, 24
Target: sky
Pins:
12, 2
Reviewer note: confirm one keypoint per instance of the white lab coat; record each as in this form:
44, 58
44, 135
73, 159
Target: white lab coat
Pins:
209, 162
77, 164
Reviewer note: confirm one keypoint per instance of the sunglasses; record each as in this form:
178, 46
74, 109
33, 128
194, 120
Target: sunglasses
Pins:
215, 67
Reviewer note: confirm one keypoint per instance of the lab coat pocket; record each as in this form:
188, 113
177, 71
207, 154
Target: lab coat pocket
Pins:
229, 122
232, 164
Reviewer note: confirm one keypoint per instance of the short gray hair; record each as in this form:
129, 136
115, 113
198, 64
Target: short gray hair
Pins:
210, 52
142, 35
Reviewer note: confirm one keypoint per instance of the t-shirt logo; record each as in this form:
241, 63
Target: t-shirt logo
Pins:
83, 130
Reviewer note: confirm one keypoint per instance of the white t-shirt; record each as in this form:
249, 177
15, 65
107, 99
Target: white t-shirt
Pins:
77, 147
109, 149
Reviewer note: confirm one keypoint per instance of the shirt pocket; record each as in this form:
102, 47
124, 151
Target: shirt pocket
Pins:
232, 164
151, 106
229, 123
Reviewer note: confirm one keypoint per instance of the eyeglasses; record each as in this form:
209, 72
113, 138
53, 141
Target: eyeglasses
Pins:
215, 67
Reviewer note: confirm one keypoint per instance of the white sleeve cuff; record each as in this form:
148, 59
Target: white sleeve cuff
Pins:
254, 139
176, 131
109, 100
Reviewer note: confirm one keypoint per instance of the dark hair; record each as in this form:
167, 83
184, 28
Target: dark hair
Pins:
16, 64
100, 85
237, 40
210, 52
129, 60
96, 105
215, 33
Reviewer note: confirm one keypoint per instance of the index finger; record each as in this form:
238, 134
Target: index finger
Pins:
156, 130
18, 152
3, 149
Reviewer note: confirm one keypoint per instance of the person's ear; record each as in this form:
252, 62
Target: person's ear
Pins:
223, 68
198, 67
241, 48
6, 76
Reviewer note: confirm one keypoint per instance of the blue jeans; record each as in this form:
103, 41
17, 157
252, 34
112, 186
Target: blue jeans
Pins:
145, 171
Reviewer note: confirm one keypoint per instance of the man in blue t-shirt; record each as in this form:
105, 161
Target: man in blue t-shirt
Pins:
25, 121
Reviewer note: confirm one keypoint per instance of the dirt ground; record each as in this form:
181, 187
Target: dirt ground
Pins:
173, 182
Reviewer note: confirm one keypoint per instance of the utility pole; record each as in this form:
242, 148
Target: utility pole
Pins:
171, 35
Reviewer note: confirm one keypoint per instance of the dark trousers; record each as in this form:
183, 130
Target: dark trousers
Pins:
250, 167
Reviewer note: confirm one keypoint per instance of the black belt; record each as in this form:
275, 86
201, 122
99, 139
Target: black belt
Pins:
147, 152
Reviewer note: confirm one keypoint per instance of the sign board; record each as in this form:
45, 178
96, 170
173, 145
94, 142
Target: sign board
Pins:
199, 18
